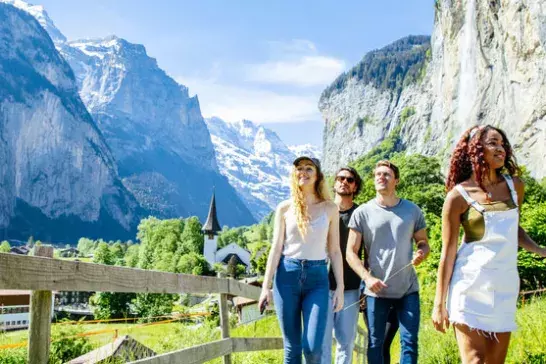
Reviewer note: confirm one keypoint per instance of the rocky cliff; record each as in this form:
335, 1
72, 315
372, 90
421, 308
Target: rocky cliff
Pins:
155, 130
486, 65
59, 178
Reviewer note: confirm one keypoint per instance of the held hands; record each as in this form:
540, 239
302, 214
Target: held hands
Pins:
374, 284
418, 257
440, 318
266, 298
338, 300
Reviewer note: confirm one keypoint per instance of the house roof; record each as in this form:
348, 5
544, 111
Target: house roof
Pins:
212, 226
20, 250
14, 292
124, 347
243, 301
70, 249
253, 281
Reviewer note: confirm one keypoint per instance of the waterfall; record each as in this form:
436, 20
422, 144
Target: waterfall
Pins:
468, 79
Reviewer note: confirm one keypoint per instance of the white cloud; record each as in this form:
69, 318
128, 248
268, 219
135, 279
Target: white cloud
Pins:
283, 89
305, 71
233, 103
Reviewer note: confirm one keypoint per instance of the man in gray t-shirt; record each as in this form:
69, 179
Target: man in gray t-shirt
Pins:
388, 226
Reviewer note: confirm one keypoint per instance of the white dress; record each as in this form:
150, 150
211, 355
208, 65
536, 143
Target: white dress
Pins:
484, 286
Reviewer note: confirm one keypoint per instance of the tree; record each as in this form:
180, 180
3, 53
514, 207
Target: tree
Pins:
193, 263
161, 244
108, 305
158, 237
117, 251
131, 256
150, 305
5, 247
263, 232
103, 255
192, 237
235, 235
235, 270
258, 258
533, 220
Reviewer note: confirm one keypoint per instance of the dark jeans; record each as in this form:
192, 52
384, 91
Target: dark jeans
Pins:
390, 332
408, 313
300, 291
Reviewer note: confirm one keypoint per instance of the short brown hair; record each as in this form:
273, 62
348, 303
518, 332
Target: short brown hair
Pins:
388, 164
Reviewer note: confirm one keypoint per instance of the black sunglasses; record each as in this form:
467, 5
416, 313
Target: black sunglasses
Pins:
343, 178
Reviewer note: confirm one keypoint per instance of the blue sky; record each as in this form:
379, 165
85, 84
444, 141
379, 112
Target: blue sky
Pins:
263, 61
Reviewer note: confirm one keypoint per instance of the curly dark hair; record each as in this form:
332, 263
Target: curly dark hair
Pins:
468, 157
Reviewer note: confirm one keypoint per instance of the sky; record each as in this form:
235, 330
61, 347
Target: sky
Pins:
267, 62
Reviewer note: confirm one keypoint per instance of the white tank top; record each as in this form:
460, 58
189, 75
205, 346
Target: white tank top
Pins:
313, 245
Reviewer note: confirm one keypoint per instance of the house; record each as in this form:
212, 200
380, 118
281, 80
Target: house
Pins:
211, 252
73, 304
123, 349
69, 252
14, 309
247, 309
22, 250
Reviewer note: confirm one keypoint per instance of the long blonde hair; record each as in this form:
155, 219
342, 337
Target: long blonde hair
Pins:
298, 199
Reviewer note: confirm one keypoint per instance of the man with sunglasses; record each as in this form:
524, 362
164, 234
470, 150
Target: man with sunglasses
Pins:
343, 323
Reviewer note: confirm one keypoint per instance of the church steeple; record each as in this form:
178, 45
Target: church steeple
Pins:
212, 227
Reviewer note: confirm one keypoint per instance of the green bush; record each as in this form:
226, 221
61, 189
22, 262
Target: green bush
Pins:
65, 346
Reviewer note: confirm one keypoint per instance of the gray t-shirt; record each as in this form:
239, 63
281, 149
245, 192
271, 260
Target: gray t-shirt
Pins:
388, 239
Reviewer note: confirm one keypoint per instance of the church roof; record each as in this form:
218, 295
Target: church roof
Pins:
211, 225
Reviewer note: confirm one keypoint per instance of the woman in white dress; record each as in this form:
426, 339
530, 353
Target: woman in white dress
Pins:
479, 281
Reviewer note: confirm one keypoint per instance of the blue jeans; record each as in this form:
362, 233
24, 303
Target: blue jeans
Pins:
300, 290
408, 312
343, 323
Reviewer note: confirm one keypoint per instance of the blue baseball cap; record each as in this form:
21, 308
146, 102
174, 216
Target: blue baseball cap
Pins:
315, 161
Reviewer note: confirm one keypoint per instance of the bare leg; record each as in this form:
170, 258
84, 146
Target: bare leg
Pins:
497, 349
472, 344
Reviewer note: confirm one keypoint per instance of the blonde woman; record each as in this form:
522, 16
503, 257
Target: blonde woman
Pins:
306, 233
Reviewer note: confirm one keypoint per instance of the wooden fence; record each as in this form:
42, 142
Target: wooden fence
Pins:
361, 345
42, 274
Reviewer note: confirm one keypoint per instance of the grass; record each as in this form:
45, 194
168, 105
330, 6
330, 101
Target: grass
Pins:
528, 344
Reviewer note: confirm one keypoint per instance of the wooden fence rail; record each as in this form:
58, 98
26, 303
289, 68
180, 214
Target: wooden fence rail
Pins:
43, 275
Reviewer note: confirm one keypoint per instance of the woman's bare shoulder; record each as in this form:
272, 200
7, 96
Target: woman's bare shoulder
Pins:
283, 205
455, 201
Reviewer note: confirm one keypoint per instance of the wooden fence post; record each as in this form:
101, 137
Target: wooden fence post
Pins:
224, 323
40, 318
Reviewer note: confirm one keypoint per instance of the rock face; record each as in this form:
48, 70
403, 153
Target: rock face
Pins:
255, 161
487, 66
59, 178
155, 130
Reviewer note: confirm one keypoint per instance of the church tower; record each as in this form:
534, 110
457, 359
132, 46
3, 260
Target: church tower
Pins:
210, 230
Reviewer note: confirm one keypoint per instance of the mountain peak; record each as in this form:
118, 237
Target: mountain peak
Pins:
255, 161
38, 12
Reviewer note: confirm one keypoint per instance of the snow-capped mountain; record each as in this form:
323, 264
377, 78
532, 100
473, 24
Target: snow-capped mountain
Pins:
153, 128
58, 178
255, 161
39, 13
307, 150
